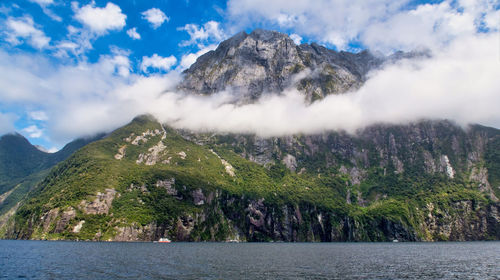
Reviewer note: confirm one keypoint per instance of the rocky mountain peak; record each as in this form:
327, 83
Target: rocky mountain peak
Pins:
267, 61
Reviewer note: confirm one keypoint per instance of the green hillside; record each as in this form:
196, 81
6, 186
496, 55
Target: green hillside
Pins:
145, 181
23, 166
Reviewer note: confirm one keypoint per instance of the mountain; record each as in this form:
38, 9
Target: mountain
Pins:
429, 180
268, 62
23, 165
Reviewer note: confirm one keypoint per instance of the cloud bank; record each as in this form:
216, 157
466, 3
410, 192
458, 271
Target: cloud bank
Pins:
67, 100
383, 25
459, 83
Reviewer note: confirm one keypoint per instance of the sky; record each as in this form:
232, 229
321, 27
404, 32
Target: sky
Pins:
71, 69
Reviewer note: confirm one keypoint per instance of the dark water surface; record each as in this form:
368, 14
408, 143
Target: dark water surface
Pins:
88, 260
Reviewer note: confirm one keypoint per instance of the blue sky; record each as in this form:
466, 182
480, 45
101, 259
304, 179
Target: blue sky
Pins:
46, 46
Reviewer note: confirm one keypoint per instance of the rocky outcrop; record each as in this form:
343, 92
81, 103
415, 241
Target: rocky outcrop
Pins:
153, 156
461, 221
269, 61
100, 205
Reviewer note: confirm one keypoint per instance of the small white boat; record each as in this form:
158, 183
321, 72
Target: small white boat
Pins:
164, 240
395, 240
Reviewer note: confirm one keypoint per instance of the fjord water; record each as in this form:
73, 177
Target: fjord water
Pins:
92, 260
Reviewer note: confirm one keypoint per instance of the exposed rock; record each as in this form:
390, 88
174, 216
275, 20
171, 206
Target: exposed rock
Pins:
356, 175
445, 164
135, 232
185, 225
182, 154
64, 219
227, 166
430, 165
48, 218
480, 175
144, 137
269, 61
78, 226
121, 152
290, 162
198, 197
101, 204
167, 185
153, 156
5, 195
142, 188
256, 212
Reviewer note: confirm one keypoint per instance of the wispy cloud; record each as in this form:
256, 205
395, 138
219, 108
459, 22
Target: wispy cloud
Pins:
23, 29
209, 32
38, 116
188, 59
33, 131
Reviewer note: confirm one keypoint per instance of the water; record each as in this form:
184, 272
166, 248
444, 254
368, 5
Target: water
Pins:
88, 260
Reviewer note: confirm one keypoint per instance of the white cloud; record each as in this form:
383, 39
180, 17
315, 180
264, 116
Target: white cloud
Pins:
296, 38
52, 150
79, 41
118, 63
188, 59
209, 32
492, 20
100, 20
155, 17
44, 5
157, 62
335, 22
429, 26
23, 28
6, 123
43, 2
132, 33
385, 25
33, 131
38, 116
460, 82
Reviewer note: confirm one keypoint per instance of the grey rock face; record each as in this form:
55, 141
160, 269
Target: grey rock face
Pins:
268, 61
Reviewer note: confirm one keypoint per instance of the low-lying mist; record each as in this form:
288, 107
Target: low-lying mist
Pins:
459, 83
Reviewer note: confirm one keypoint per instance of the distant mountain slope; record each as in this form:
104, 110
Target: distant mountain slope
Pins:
22, 166
18, 159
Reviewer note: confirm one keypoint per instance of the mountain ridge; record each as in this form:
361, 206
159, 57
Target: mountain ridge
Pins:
23, 166
266, 61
